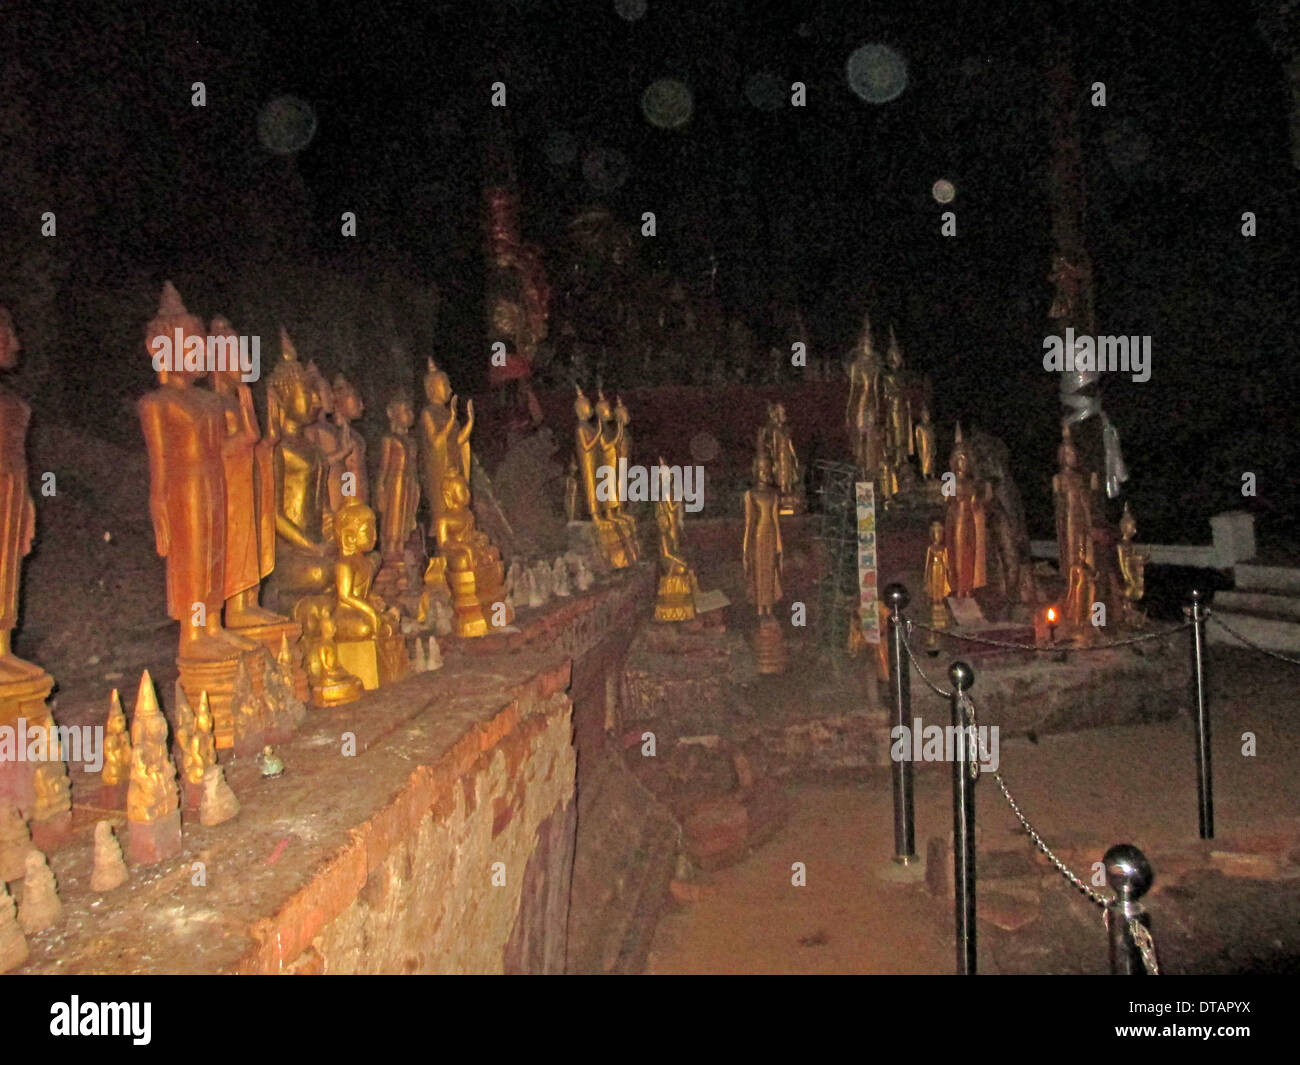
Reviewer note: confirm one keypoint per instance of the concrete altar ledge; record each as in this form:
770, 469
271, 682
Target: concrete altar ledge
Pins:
381, 861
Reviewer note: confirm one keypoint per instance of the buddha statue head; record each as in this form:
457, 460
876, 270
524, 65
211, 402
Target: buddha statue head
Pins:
961, 462
172, 323
354, 528
895, 353
294, 392
582, 406
925, 414
321, 386
401, 414
437, 386
347, 403
603, 411
229, 373
455, 492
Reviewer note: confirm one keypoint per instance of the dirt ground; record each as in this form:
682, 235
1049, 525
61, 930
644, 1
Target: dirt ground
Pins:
1083, 791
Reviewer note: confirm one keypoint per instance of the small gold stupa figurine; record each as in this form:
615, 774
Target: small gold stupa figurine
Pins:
677, 584
117, 756
152, 810
1132, 568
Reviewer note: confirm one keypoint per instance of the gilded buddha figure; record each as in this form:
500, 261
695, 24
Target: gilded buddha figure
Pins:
965, 523
398, 495
1073, 491
304, 562
613, 447
677, 585
861, 415
185, 431
444, 443
474, 569
896, 403
590, 456
776, 440
926, 444
761, 547
347, 409
1132, 568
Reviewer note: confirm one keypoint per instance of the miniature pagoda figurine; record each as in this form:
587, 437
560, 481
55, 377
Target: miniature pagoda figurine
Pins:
40, 907
109, 870
588, 449
13, 944
435, 598
331, 684
926, 445
368, 639
560, 579
419, 664
433, 660
347, 409
861, 413
185, 430
248, 713
303, 565
1132, 568
582, 575
1073, 492
542, 581
964, 524
1081, 591
117, 756
201, 752
15, 842
183, 733
248, 462
51, 811
677, 585
292, 690
762, 560
152, 811
398, 496
938, 586
443, 442
270, 763
219, 802
474, 569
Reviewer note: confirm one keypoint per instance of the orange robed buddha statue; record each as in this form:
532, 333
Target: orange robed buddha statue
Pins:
398, 490
17, 513
250, 504
185, 431
964, 523
938, 568
304, 558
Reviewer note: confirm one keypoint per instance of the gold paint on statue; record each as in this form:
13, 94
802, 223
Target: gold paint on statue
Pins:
444, 443
965, 523
474, 569
587, 448
1073, 492
926, 444
761, 548
152, 794
1132, 568
347, 409
861, 414
117, 745
677, 585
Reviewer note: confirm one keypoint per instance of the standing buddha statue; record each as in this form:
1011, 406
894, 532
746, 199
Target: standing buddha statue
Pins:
964, 524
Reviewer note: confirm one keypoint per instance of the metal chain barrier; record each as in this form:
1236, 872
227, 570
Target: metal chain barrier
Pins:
1052, 648
1250, 643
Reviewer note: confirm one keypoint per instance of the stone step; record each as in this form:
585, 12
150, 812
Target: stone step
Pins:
1274, 634
1249, 577
1260, 604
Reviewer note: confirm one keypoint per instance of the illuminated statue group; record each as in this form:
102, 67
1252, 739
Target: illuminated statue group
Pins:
601, 440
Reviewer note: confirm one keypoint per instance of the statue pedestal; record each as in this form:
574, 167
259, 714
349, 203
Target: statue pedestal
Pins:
150, 842
467, 611
676, 598
377, 663
217, 678
769, 647
22, 698
337, 692
271, 636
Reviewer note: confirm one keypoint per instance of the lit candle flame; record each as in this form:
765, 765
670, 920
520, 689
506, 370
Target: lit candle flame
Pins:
1051, 615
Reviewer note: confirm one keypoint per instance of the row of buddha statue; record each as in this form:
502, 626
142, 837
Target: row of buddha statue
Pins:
887, 424
234, 506
602, 445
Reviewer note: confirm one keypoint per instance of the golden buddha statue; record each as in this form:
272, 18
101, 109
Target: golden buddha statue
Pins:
185, 431
926, 445
250, 487
785, 461
399, 490
304, 562
938, 586
331, 684
323, 432
861, 414
1073, 493
1080, 594
965, 523
475, 572
897, 404
613, 447
761, 547
444, 444
1132, 569
202, 751
347, 409
364, 627
588, 452
677, 585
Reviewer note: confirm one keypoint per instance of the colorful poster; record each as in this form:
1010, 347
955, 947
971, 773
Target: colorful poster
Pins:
868, 609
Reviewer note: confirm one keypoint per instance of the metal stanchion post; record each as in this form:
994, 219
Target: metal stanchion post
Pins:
1129, 874
963, 821
1201, 720
901, 698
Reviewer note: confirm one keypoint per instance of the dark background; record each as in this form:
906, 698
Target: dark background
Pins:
827, 207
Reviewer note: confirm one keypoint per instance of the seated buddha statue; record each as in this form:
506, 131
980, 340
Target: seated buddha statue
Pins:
474, 568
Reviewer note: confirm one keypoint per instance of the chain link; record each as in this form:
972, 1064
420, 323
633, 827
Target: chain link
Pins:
1049, 648
1249, 643
1145, 944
